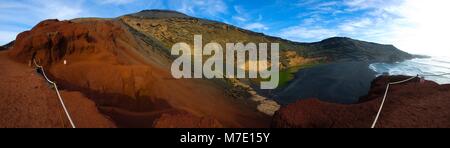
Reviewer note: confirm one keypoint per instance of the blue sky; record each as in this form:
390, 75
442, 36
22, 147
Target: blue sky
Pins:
403, 23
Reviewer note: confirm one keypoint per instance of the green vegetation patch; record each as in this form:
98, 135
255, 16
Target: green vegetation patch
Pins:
288, 74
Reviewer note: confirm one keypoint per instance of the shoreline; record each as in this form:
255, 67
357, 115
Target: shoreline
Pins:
343, 83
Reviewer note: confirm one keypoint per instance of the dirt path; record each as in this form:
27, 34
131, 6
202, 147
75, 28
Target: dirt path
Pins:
26, 100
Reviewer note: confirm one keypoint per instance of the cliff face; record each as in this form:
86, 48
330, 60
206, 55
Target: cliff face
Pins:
127, 78
412, 104
123, 65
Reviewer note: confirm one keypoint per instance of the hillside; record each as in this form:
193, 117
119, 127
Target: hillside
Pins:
123, 65
126, 77
346, 49
171, 27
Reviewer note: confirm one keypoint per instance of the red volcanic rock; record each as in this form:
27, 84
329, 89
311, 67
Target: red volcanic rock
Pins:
27, 101
412, 104
127, 77
52, 40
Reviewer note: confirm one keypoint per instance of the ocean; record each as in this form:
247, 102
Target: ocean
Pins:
421, 66
347, 82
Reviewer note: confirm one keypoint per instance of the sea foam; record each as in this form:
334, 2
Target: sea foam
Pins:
422, 66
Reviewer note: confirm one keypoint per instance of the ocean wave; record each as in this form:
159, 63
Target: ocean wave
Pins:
429, 66
432, 62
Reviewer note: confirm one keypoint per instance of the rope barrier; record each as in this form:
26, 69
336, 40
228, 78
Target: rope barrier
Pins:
57, 92
395, 83
385, 96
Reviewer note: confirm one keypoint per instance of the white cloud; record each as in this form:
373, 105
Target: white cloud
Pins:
248, 20
239, 9
241, 14
211, 8
423, 27
355, 5
26, 14
260, 18
239, 18
256, 27
64, 9
416, 26
305, 3
7, 36
356, 25
43, 9
318, 6
328, 4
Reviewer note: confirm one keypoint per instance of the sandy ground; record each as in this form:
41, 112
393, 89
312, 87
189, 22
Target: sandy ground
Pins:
27, 101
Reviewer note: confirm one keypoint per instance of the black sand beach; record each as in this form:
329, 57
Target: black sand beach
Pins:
343, 82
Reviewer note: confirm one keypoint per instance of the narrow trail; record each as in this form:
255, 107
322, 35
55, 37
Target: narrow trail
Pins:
422, 79
385, 96
27, 101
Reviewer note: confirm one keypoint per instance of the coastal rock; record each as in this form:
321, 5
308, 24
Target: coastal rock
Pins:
342, 49
408, 105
